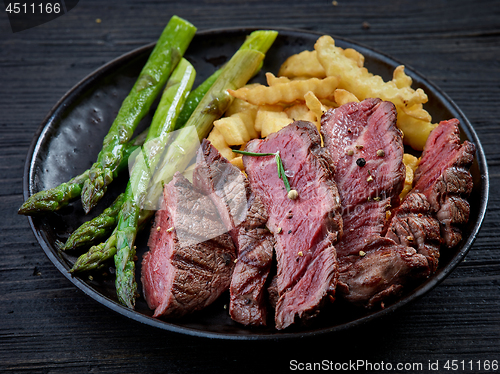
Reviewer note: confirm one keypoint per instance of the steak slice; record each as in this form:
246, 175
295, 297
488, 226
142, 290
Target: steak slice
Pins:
367, 152
414, 225
368, 184
244, 217
443, 177
248, 297
190, 262
224, 183
381, 273
305, 229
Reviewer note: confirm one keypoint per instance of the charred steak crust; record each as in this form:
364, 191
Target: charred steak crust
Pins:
183, 272
244, 217
382, 273
305, 229
248, 296
443, 176
413, 225
367, 152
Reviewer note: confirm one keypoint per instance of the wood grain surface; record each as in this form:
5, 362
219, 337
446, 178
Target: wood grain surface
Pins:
49, 326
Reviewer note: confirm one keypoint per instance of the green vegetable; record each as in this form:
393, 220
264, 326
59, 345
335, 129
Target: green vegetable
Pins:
174, 96
194, 99
100, 253
169, 49
95, 257
129, 215
96, 229
58, 197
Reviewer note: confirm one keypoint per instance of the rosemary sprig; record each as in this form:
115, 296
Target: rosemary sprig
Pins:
279, 164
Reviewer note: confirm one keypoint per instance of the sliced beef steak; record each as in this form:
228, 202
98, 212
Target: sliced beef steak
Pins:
248, 296
381, 273
443, 177
190, 262
244, 217
306, 228
413, 225
224, 183
367, 152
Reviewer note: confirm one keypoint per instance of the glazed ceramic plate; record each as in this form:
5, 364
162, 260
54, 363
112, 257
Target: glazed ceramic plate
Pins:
70, 138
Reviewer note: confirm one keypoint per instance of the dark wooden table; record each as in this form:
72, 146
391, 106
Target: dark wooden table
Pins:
49, 326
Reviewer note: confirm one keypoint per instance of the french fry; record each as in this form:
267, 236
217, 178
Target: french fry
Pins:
238, 162
246, 112
259, 118
217, 139
400, 78
239, 105
248, 120
271, 119
233, 130
300, 112
411, 163
273, 80
286, 92
303, 64
355, 56
360, 82
316, 107
343, 97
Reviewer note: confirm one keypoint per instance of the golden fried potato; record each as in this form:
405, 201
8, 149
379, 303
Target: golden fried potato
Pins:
316, 107
238, 106
300, 112
303, 64
286, 92
238, 162
273, 80
400, 78
360, 82
411, 163
233, 130
260, 118
271, 119
343, 97
217, 139
242, 113
355, 56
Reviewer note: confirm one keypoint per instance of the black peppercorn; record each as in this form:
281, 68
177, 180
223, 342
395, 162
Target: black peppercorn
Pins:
361, 162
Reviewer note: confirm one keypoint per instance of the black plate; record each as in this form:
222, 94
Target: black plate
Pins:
70, 138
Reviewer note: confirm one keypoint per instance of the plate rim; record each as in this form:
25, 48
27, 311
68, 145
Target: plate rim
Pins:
102, 70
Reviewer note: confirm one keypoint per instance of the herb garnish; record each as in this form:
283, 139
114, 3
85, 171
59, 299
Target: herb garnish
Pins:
279, 164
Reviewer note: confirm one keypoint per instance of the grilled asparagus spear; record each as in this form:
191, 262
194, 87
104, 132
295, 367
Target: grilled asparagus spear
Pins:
174, 96
60, 196
169, 49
